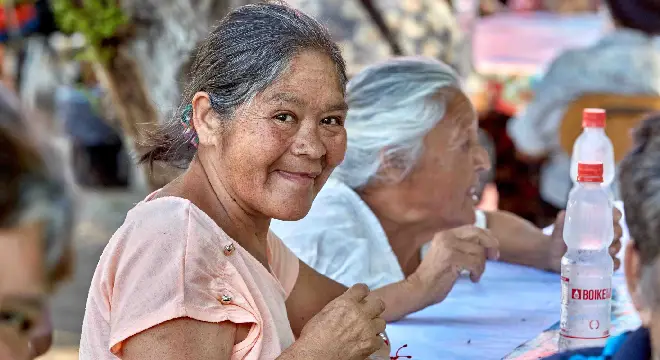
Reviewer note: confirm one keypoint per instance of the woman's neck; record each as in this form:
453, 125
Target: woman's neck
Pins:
406, 238
203, 186
406, 241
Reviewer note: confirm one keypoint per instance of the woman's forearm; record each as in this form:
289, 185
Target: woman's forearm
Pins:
401, 298
520, 241
304, 349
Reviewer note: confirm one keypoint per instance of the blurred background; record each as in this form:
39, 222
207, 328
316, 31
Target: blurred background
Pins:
101, 73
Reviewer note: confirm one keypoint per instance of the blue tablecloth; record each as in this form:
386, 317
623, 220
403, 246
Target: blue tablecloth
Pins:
511, 305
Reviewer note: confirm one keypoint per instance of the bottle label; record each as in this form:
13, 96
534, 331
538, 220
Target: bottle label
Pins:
585, 306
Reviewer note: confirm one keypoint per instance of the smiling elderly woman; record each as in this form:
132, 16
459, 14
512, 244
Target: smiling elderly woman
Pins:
194, 273
409, 176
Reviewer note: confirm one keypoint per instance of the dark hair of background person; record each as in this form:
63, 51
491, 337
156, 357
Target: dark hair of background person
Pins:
642, 15
639, 176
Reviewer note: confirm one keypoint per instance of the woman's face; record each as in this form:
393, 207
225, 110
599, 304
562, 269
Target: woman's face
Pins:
280, 148
22, 288
442, 185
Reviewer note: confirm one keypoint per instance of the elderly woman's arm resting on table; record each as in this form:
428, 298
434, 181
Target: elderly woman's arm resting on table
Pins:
521, 242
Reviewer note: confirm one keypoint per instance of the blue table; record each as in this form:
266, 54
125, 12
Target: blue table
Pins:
512, 305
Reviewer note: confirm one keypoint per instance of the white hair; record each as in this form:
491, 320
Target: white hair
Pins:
392, 106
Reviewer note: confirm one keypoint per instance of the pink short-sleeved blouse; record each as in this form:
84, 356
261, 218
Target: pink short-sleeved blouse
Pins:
170, 260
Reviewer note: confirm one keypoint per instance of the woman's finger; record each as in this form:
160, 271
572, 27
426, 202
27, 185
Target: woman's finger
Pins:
373, 306
618, 231
616, 214
357, 292
615, 247
482, 237
378, 324
468, 247
475, 264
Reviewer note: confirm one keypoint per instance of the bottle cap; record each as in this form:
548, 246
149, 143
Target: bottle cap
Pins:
594, 118
590, 172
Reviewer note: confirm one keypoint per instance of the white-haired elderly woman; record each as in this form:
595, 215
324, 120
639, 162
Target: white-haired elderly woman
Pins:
639, 178
35, 232
409, 178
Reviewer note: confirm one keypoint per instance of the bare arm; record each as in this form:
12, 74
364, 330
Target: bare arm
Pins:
312, 292
182, 338
521, 242
186, 338
306, 301
403, 298
450, 252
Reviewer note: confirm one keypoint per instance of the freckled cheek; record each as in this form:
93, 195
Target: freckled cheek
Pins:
335, 150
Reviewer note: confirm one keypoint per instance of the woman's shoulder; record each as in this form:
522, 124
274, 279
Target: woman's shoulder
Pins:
169, 260
168, 225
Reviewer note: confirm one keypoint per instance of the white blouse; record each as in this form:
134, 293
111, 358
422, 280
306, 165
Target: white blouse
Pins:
342, 238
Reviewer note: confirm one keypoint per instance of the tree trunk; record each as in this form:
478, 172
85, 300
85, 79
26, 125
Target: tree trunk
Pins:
132, 106
144, 77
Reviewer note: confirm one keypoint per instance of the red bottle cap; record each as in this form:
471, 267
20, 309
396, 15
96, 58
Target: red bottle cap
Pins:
590, 172
593, 118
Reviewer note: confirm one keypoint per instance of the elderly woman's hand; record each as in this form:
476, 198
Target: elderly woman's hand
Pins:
464, 248
558, 246
347, 328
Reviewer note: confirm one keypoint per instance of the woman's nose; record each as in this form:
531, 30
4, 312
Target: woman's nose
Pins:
481, 160
309, 143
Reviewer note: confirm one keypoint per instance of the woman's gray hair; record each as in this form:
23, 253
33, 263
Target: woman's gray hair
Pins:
247, 52
33, 184
391, 107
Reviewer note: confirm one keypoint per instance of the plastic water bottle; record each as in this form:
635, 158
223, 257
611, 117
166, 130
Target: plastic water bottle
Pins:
594, 146
586, 269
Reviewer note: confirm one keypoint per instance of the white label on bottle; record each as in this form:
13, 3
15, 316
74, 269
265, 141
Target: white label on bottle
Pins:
586, 306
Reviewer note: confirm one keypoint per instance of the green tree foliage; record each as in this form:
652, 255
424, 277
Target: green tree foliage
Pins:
97, 20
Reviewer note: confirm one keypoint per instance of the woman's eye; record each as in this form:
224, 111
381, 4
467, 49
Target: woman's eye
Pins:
284, 117
331, 121
16, 320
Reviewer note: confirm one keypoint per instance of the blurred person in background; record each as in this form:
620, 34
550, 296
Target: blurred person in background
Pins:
409, 178
639, 178
624, 61
35, 232
98, 158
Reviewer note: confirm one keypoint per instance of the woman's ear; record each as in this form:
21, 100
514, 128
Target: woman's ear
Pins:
204, 119
633, 272
392, 167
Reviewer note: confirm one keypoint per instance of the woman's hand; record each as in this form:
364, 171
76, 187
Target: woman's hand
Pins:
347, 328
558, 246
451, 251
